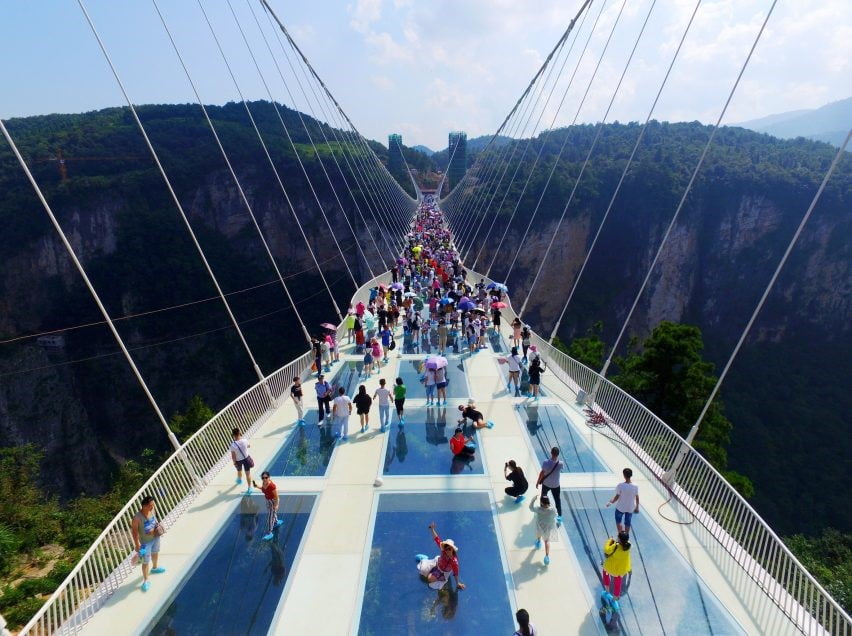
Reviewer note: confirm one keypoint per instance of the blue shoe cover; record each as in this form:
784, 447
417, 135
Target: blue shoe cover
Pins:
267, 537
420, 557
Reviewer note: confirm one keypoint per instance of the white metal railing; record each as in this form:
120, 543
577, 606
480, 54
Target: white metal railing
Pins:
729, 520
106, 564
757, 554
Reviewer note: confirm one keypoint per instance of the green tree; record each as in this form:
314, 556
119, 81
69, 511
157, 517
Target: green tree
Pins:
829, 558
26, 508
588, 350
197, 414
670, 376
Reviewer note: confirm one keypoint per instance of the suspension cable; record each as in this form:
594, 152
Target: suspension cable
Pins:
271, 162
231, 170
686, 192
625, 171
687, 443
172, 439
292, 144
333, 153
565, 140
177, 202
311, 140
543, 141
544, 65
598, 132
529, 141
150, 312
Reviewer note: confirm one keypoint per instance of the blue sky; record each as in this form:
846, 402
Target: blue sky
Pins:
423, 68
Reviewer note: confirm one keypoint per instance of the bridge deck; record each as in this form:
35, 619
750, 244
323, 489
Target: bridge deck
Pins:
325, 585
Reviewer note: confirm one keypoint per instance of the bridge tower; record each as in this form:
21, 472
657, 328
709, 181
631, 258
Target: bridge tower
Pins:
458, 157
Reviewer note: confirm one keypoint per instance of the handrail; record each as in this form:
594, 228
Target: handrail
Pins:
175, 484
731, 523
706, 494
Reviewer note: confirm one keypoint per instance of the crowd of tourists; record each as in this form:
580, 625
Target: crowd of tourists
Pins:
428, 295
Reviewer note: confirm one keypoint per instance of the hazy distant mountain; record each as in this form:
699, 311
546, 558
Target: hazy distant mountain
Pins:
424, 149
829, 123
478, 143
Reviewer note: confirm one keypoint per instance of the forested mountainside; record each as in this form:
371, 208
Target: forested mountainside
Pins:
81, 406
787, 393
79, 403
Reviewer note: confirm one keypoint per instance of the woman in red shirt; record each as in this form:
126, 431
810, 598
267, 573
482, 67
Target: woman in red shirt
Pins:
460, 445
270, 493
437, 571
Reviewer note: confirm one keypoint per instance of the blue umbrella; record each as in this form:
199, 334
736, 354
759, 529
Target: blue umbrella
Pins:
447, 301
467, 305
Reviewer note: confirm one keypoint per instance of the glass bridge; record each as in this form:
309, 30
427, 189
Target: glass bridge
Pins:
355, 513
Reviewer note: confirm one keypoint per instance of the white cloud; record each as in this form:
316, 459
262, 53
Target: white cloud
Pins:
364, 14
382, 82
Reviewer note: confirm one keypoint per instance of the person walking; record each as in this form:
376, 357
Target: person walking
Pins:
316, 346
514, 363
368, 361
546, 523
296, 395
525, 628
399, 391
387, 337
350, 327
324, 396
378, 354
626, 502
525, 341
383, 394
441, 385
535, 371
342, 409
548, 479
270, 494
616, 563
241, 458
363, 402
430, 381
517, 325
146, 532
442, 336
515, 474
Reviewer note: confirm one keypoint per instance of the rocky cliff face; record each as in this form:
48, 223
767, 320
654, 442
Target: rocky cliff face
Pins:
88, 415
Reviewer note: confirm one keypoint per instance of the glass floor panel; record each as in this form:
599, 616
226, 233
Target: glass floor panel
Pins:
412, 370
237, 584
398, 601
306, 453
664, 595
525, 379
548, 427
422, 446
350, 375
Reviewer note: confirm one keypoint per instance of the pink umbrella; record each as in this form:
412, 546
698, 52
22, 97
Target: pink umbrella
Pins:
328, 325
436, 362
499, 305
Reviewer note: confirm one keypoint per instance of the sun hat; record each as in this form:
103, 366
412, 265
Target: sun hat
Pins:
450, 543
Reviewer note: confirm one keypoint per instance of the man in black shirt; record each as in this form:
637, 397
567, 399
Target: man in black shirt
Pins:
470, 413
515, 474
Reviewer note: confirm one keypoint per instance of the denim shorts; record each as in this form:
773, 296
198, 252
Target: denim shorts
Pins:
627, 516
147, 549
243, 464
